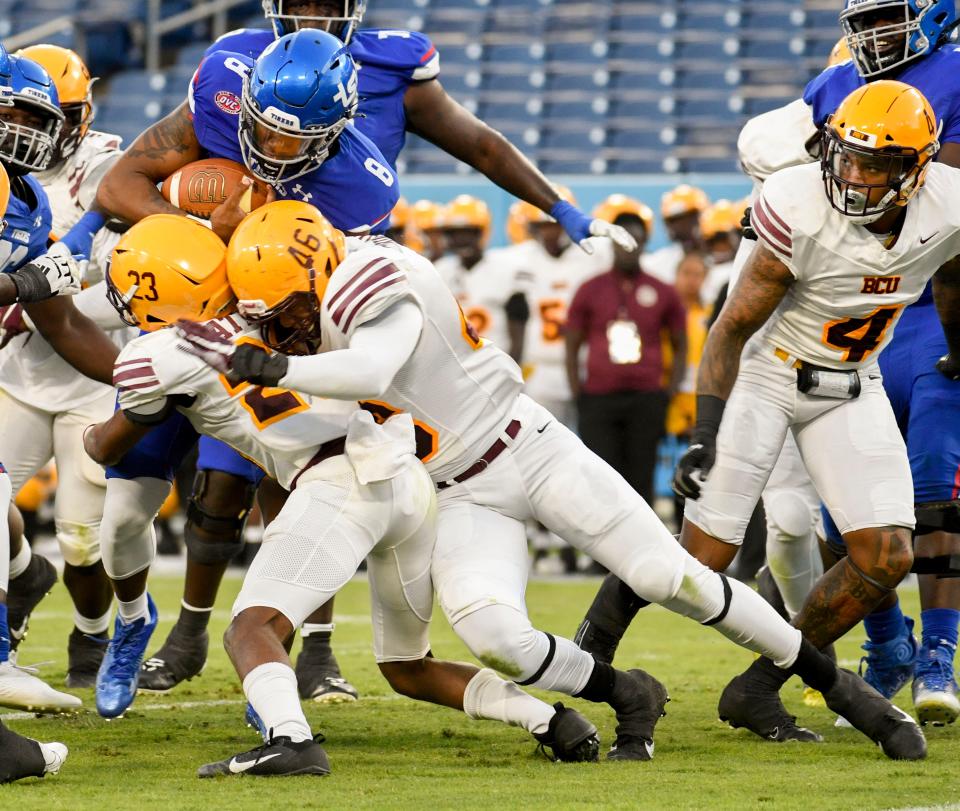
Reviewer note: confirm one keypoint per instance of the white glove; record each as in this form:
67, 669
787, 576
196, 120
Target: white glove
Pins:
602, 228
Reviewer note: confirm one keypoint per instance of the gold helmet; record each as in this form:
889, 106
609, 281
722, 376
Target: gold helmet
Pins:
74, 87
723, 217
425, 215
465, 211
516, 224
682, 200
533, 215
617, 204
839, 53
165, 268
400, 216
279, 262
886, 133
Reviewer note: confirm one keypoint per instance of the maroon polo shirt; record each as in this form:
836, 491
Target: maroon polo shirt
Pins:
652, 305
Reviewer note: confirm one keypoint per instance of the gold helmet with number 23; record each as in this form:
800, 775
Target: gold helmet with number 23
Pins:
279, 261
168, 267
877, 148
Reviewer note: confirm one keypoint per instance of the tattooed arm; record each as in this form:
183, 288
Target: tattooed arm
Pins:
762, 285
129, 190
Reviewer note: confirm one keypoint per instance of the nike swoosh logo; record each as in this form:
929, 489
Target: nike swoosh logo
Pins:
924, 240
236, 767
541, 430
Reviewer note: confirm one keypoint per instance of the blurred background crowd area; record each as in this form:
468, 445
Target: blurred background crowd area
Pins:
633, 97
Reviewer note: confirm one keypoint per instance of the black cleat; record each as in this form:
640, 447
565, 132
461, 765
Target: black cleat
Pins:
318, 674
25, 757
768, 589
278, 757
638, 699
897, 733
84, 655
570, 737
25, 593
749, 704
181, 657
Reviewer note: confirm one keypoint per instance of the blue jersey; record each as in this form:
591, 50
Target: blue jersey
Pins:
937, 76
354, 188
389, 62
28, 223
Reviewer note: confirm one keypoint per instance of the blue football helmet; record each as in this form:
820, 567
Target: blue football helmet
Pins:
341, 26
884, 35
33, 122
6, 90
296, 101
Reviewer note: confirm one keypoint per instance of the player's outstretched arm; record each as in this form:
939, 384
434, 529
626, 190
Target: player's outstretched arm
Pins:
129, 190
75, 338
761, 286
946, 296
107, 442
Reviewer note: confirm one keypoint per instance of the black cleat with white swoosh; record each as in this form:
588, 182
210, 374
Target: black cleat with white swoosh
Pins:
278, 757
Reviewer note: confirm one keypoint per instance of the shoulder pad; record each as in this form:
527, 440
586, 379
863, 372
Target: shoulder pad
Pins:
408, 52
250, 42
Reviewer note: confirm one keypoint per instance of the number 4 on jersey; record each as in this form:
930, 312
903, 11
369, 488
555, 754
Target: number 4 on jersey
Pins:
858, 337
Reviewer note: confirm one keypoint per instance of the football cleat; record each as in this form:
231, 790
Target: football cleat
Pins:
638, 699
21, 689
865, 709
570, 737
318, 674
25, 757
84, 655
254, 721
25, 592
888, 666
120, 670
749, 704
278, 757
934, 686
181, 657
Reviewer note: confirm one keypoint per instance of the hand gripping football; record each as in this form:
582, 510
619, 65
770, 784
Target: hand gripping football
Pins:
199, 187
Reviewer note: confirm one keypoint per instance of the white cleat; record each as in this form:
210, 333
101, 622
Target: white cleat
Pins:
22, 690
936, 706
54, 754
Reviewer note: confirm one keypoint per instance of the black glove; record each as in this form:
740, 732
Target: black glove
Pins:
746, 229
697, 462
253, 364
949, 367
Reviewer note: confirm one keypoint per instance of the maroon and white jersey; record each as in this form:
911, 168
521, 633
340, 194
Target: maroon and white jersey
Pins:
459, 389
850, 290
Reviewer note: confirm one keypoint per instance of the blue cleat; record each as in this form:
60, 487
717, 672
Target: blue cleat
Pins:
890, 665
120, 670
254, 721
934, 687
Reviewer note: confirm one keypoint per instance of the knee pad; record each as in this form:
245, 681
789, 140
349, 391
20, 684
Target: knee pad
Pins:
227, 530
127, 540
504, 640
789, 517
79, 543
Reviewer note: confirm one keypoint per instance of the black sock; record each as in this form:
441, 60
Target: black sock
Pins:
763, 670
814, 667
599, 686
194, 621
318, 638
614, 607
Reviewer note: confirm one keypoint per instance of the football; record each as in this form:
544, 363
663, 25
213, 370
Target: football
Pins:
199, 187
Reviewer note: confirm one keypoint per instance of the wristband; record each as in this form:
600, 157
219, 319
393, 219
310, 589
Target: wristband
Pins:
709, 414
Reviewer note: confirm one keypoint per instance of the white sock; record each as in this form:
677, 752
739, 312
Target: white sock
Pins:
134, 609
272, 690
95, 626
20, 561
316, 627
795, 565
490, 698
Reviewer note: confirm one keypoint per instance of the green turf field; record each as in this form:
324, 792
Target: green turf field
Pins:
390, 752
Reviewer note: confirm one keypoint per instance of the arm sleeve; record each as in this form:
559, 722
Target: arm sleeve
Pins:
377, 351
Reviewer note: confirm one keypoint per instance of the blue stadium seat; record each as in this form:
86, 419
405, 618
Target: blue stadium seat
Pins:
575, 135
561, 164
641, 135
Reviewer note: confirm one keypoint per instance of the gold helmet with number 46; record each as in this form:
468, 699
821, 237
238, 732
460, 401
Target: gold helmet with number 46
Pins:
168, 267
279, 262
877, 148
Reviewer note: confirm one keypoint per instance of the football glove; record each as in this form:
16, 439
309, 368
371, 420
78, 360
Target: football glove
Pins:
695, 465
949, 367
746, 229
55, 273
580, 227
243, 362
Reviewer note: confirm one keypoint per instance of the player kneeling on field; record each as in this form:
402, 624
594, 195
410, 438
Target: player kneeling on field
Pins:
357, 491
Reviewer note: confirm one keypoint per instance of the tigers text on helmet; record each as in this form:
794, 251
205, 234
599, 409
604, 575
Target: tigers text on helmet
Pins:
168, 267
884, 35
74, 89
877, 148
30, 147
279, 262
284, 18
297, 98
